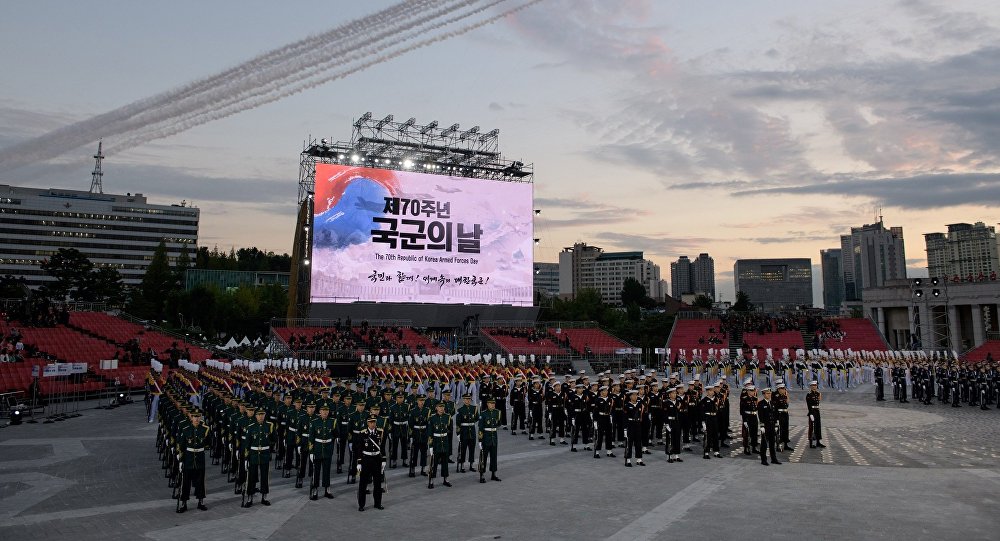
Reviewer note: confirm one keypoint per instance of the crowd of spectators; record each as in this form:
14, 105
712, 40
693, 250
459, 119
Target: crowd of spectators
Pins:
338, 338
825, 332
13, 349
757, 323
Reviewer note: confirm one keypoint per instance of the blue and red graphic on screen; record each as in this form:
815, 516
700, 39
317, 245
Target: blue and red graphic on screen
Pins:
402, 236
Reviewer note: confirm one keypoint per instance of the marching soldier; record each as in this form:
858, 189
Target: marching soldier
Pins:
258, 440
489, 422
344, 434
633, 429
536, 398
304, 437
466, 417
518, 393
765, 413
356, 423
815, 426
671, 414
603, 406
323, 430
748, 412
290, 419
780, 402
556, 404
439, 442
419, 417
577, 404
191, 446
370, 465
709, 409
399, 415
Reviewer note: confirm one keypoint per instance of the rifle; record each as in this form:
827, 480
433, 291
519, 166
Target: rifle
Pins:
482, 461
433, 472
243, 486
178, 490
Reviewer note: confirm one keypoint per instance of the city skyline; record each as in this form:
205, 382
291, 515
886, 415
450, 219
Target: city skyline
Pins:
652, 126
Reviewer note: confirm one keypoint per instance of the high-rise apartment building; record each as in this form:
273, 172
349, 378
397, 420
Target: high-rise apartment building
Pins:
831, 261
966, 249
693, 277
589, 267
872, 255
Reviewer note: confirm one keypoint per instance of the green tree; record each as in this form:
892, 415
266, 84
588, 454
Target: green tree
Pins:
103, 284
742, 303
633, 293
157, 284
703, 301
71, 269
12, 287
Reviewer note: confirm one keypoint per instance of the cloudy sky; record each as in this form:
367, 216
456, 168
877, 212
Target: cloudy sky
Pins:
742, 129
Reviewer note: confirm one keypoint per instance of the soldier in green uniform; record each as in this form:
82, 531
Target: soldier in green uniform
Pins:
439, 442
258, 447
304, 425
489, 421
419, 416
466, 417
322, 432
449, 409
343, 415
356, 424
242, 423
287, 416
191, 445
399, 416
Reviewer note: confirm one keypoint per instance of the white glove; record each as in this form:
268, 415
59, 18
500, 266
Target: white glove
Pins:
359, 469
480, 445
668, 428
312, 457
383, 467
704, 427
811, 418
178, 456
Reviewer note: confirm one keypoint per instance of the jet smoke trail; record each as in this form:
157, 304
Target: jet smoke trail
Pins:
252, 96
305, 67
216, 115
142, 113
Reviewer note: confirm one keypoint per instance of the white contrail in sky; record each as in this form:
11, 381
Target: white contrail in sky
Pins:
271, 76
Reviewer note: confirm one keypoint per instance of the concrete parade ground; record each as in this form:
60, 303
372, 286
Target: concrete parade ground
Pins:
890, 471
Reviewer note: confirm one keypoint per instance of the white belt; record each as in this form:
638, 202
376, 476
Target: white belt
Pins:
293, 429
786, 409
370, 453
440, 435
305, 435
671, 418
468, 424
419, 427
399, 423
198, 450
260, 448
323, 441
284, 423
490, 429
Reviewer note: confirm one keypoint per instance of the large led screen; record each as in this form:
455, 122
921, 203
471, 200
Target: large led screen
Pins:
403, 236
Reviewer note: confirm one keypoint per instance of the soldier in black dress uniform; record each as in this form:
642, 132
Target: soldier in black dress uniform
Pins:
815, 424
371, 465
766, 416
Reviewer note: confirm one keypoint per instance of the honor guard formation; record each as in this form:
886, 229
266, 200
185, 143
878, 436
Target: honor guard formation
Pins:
252, 418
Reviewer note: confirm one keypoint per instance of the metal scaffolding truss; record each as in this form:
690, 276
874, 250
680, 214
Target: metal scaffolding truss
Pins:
423, 148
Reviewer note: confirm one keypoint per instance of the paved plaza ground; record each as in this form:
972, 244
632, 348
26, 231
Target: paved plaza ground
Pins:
890, 471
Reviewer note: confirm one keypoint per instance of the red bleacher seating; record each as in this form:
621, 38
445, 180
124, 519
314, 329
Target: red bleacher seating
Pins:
599, 342
522, 346
687, 332
861, 335
67, 344
989, 347
120, 331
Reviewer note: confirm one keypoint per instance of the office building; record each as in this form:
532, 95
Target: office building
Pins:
833, 279
775, 284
